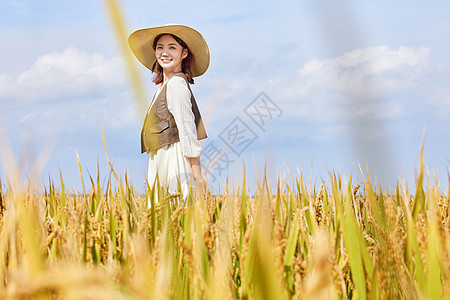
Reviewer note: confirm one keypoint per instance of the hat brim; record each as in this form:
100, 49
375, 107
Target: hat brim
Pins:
141, 43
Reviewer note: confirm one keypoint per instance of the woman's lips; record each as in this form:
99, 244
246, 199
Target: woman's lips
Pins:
166, 61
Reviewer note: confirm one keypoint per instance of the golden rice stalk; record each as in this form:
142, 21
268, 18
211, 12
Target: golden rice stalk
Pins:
318, 283
120, 30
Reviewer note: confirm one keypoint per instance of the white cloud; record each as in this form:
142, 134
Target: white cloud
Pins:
70, 73
28, 116
366, 72
366, 91
70, 91
373, 60
361, 85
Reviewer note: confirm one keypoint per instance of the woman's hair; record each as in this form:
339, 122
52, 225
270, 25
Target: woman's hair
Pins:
185, 64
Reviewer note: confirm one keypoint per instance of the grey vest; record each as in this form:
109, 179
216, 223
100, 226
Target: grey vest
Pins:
160, 128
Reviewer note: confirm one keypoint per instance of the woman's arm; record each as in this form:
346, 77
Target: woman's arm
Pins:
179, 104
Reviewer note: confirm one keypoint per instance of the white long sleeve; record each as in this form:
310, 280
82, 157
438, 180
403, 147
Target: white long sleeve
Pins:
180, 106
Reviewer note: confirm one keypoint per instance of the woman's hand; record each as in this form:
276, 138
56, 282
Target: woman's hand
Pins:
197, 172
201, 182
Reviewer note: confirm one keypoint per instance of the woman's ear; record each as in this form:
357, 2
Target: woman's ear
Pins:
184, 54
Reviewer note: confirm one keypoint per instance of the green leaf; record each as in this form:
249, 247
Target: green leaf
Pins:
292, 242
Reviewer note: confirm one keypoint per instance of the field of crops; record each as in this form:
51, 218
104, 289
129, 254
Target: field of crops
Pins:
288, 241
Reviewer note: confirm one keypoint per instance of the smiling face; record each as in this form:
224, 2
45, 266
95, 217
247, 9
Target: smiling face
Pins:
169, 54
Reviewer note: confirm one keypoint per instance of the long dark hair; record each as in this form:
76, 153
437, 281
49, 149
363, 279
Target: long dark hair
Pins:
185, 64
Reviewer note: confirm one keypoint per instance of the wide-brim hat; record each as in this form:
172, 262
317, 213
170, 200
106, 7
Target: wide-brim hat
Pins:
141, 43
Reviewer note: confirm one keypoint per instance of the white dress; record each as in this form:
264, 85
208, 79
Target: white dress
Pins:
170, 164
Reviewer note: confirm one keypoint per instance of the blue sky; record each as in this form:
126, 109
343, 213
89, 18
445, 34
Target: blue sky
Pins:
354, 81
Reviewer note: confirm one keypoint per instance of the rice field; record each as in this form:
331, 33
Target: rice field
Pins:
287, 241
339, 240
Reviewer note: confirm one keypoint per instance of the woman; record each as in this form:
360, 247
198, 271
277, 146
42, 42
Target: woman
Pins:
173, 125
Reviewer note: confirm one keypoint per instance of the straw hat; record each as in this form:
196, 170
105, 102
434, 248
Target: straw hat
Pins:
141, 43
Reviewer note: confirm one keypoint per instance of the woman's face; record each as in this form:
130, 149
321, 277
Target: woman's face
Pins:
169, 54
